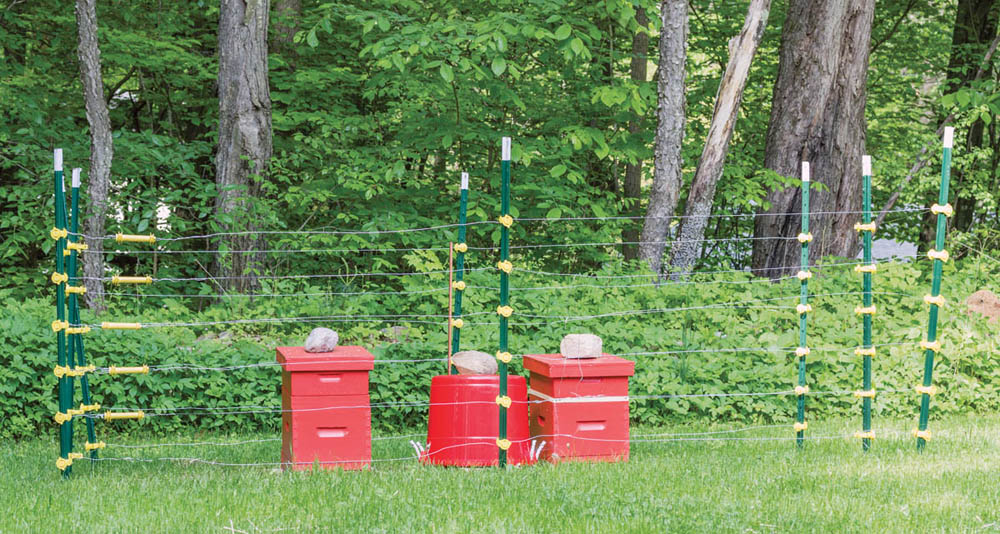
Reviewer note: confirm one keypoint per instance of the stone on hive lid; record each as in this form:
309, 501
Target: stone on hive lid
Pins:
473, 362
581, 346
322, 340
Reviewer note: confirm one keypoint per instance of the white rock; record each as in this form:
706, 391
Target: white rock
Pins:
473, 362
581, 346
322, 340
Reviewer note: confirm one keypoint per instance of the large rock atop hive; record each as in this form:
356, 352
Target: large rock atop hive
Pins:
473, 362
581, 346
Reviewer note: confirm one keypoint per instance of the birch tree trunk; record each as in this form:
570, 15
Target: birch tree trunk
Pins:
668, 162
244, 134
101, 150
817, 115
633, 171
742, 49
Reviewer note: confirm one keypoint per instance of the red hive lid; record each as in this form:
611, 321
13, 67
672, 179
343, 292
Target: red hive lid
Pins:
555, 366
343, 358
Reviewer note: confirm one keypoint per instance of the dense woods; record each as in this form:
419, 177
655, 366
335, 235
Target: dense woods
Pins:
200, 117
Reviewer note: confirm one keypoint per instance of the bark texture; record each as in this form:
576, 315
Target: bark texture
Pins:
817, 115
698, 207
244, 133
633, 171
668, 162
101, 150
286, 23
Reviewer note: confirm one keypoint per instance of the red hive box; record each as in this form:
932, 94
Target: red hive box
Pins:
463, 421
326, 416
579, 407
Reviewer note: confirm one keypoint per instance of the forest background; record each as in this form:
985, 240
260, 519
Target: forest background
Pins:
372, 109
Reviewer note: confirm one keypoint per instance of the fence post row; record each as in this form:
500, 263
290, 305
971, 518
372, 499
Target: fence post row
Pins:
867, 309
458, 285
803, 309
504, 310
939, 255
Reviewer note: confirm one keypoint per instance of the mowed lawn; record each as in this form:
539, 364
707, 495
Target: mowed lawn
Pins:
686, 485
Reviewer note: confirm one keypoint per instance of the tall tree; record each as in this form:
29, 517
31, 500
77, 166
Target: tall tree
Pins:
668, 162
101, 149
287, 13
633, 171
817, 115
698, 207
244, 133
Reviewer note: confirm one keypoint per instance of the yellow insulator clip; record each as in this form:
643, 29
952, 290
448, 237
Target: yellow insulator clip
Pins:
938, 254
799, 427
116, 279
457, 323
503, 443
61, 417
130, 238
804, 238
503, 401
865, 310
505, 266
459, 285
90, 407
865, 435
946, 210
461, 247
58, 325
861, 351
94, 446
505, 357
926, 390
59, 278
141, 370
922, 434
801, 390
802, 351
63, 463
58, 233
72, 245
866, 227
60, 371
505, 311
937, 301
931, 345
869, 268
111, 416
78, 330
804, 275
803, 309
78, 290
121, 326
506, 220
862, 394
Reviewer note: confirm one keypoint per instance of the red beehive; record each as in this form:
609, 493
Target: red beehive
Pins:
579, 407
326, 415
463, 420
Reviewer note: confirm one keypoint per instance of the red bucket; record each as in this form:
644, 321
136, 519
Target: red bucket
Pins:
463, 419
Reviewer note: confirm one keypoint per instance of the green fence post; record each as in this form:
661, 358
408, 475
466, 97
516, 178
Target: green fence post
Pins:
504, 310
803, 310
867, 228
942, 209
60, 325
76, 354
459, 284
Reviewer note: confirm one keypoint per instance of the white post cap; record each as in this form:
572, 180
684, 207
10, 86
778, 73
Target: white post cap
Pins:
506, 149
949, 136
57, 155
465, 180
76, 177
805, 171
866, 165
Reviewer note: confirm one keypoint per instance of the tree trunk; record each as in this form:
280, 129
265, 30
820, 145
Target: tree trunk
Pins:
668, 163
286, 23
698, 207
244, 134
633, 171
817, 115
101, 150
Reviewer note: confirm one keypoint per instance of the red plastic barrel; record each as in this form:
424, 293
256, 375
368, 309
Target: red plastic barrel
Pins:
463, 419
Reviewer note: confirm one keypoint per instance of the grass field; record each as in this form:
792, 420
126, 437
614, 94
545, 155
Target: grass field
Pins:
730, 485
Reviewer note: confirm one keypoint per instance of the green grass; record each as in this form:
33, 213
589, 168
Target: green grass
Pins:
677, 486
